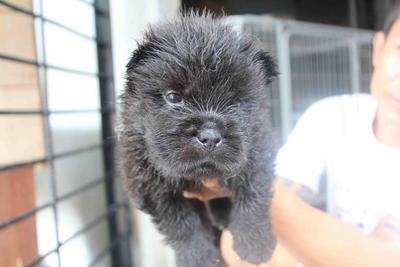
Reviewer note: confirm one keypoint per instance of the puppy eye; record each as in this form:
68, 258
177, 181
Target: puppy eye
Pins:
174, 98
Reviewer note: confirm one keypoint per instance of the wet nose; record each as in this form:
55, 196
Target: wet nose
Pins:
209, 138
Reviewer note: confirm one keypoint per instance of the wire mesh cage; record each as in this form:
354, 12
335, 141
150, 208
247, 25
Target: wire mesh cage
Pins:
315, 61
60, 198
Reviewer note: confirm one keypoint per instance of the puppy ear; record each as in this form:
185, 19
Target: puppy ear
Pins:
143, 51
268, 65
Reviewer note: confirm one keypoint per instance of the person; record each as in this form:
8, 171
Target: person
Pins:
355, 141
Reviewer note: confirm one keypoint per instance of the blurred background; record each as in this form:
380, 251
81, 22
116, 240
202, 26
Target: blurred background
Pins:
62, 66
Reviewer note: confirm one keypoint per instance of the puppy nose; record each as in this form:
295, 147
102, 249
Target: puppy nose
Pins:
209, 138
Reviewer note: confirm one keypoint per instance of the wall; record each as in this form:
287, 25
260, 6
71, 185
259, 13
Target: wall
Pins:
128, 21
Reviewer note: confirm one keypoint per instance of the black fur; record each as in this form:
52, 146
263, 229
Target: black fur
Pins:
222, 77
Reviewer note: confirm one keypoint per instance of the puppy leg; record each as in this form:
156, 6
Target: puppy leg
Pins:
184, 231
250, 224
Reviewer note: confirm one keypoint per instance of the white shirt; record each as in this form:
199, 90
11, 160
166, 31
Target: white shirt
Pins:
335, 136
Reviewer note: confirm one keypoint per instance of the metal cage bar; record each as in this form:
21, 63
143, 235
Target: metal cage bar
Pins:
107, 95
119, 244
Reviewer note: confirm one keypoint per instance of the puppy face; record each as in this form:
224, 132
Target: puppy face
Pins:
195, 92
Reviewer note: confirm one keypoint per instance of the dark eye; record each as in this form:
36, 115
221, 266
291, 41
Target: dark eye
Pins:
174, 98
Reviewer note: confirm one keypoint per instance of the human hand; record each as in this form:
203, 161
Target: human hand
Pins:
212, 189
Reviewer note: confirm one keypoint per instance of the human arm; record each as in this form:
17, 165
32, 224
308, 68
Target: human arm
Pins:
319, 240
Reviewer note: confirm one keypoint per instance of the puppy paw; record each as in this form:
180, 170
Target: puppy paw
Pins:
206, 261
254, 247
200, 255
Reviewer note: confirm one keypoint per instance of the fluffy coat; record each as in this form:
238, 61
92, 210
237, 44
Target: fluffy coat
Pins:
220, 78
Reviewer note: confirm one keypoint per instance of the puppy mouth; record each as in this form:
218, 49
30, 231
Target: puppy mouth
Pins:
220, 159
203, 164
205, 169
208, 165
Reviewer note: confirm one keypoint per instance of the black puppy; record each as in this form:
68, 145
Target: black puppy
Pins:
195, 107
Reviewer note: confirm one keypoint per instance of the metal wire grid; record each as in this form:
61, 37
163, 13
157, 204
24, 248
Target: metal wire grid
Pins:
119, 241
365, 52
315, 61
320, 68
266, 37
326, 61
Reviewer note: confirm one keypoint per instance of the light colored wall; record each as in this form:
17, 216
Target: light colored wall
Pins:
129, 19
